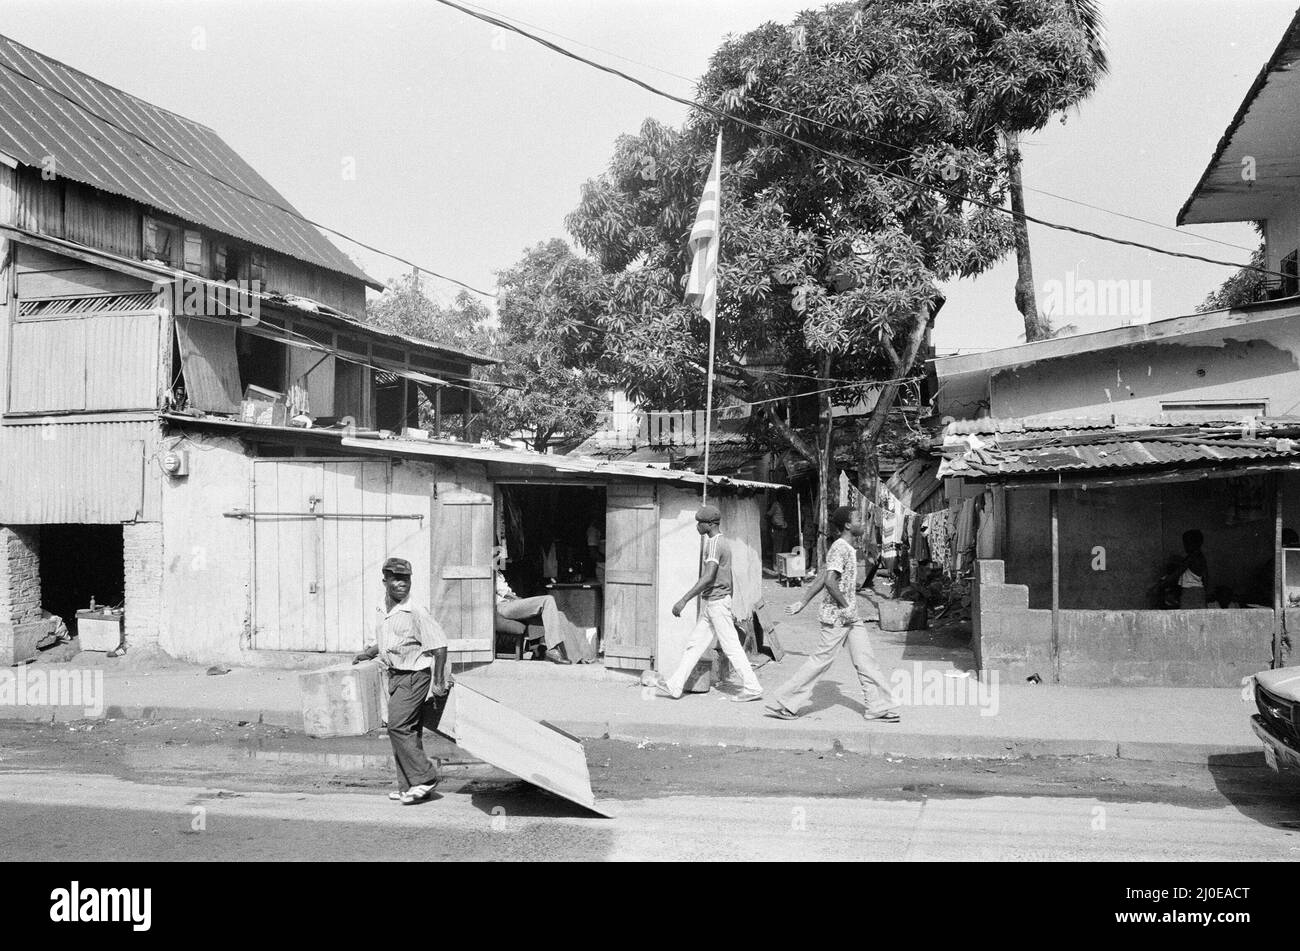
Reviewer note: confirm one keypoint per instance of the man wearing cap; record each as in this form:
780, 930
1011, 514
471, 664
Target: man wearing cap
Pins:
715, 618
412, 646
839, 623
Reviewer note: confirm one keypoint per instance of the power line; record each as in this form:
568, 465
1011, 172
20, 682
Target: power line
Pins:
233, 187
859, 134
839, 156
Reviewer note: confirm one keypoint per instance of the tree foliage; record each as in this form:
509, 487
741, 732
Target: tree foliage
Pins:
405, 308
829, 260
552, 380
1245, 287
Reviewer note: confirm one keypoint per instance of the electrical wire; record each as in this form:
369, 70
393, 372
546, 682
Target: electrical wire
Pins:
841, 157
857, 133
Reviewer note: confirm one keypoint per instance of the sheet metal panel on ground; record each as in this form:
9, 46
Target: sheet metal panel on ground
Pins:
535, 752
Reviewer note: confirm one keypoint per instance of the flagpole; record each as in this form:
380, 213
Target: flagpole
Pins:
708, 406
702, 282
710, 309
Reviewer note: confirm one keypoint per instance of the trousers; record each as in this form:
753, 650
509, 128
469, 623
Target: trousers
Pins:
796, 692
521, 609
407, 690
716, 622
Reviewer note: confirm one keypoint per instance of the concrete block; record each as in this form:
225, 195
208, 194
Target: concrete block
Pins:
1008, 597
1037, 625
991, 572
18, 641
344, 700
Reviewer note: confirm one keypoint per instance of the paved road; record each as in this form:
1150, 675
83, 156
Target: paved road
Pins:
203, 792
58, 816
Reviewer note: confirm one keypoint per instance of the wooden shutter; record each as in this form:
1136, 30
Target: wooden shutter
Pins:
463, 596
631, 568
319, 371
193, 252
210, 365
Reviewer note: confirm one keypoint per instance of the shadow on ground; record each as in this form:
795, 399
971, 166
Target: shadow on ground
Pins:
1255, 791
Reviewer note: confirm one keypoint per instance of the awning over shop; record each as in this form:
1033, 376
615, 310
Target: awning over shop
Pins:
1121, 454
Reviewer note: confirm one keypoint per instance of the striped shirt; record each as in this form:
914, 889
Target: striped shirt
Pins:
406, 635
717, 550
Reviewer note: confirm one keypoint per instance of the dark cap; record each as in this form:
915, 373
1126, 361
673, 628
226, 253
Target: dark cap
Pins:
397, 566
708, 513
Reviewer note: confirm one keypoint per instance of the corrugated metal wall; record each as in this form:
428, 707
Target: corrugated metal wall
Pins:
86, 472
85, 364
101, 220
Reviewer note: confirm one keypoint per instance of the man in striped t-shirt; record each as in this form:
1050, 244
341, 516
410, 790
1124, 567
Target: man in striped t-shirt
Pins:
716, 620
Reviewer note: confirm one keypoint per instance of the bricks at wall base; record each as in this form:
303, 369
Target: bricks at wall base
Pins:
142, 562
20, 593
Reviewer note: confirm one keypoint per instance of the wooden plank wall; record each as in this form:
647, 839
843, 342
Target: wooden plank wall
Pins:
101, 220
41, 274
38, 204
290, 276
81, 213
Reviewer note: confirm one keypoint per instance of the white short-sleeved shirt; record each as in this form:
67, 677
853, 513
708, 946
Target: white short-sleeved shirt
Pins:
404, 635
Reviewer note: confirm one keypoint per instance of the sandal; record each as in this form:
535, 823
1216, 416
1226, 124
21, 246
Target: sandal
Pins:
887, 716
781, 713
418, 794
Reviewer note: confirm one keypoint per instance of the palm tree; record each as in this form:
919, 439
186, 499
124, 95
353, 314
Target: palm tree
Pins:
1037, 325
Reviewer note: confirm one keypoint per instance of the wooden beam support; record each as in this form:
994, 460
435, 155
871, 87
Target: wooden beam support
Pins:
1279, 574
1056, 586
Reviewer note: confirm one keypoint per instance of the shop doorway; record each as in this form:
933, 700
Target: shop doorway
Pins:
550, 540
80, 563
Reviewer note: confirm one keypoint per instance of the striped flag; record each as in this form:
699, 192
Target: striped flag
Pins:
706, 235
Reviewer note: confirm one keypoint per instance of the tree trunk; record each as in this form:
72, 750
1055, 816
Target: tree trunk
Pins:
867, 455
1036, 327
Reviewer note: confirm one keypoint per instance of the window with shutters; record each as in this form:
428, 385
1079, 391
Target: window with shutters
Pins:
162, 241
194, 252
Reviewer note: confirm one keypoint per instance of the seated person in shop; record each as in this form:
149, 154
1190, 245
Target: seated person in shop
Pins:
1184, 584
511, 607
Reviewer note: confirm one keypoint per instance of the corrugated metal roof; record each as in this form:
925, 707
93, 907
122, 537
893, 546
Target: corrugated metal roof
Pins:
469, 452
989, 426
985, 462
106, 138
914, 483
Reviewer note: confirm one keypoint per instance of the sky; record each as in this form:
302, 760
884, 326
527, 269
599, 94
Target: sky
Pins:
437, 137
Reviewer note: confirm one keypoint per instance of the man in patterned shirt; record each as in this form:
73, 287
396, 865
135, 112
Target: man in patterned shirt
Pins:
411, 645
840, 622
